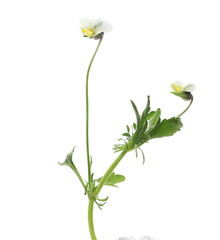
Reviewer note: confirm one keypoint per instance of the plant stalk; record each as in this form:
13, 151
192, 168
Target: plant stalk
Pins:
186, 108
99, 188
87, 113
90, 220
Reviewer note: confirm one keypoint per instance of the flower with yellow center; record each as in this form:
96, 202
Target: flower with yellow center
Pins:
183, 91
94, 28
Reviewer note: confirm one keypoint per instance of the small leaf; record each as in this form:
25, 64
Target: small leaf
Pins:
69, 162
113, 179
150, 115
136, 112
135, 126
128, 129
142, 155
101, 205
136, 152
126, 135
103, 200
145, 112
167, 128
154, 120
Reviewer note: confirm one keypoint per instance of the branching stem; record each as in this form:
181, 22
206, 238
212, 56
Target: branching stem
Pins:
99, 188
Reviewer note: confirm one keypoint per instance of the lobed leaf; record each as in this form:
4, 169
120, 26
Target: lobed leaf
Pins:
167, 128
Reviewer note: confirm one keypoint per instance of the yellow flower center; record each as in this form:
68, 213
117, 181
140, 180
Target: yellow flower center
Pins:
89, 32
176, 88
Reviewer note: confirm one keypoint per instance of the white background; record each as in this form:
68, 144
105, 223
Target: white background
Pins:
43, 62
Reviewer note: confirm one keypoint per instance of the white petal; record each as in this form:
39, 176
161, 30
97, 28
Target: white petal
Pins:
85, 23
189, 87
96, 22
177, 86
104, 27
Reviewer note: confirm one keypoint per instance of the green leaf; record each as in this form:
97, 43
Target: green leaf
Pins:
128, 128
136, 112
166, 128
69, 162
150, 115
153, 120
103, 200
145, 112
142, 131
142, 155
113, 179
126, 135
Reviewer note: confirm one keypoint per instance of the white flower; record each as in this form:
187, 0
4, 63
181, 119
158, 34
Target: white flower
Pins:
93, 27
178, 87
183, 91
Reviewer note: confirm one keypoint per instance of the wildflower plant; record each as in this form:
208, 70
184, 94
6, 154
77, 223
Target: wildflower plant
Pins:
148, 125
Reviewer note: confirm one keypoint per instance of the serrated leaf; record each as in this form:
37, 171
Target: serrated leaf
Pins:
166, 128
113, 179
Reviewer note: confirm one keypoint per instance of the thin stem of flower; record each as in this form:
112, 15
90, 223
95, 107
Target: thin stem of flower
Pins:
186, 108
87, 113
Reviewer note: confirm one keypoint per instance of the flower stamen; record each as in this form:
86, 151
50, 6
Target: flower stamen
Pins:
89, 32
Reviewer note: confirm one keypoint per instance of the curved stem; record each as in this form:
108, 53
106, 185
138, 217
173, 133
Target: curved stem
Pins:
186, 108
87, 112
101, 184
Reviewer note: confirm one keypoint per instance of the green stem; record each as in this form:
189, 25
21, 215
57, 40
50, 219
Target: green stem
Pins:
87, 112
186, 108
109, 172
99, 188
90, 220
